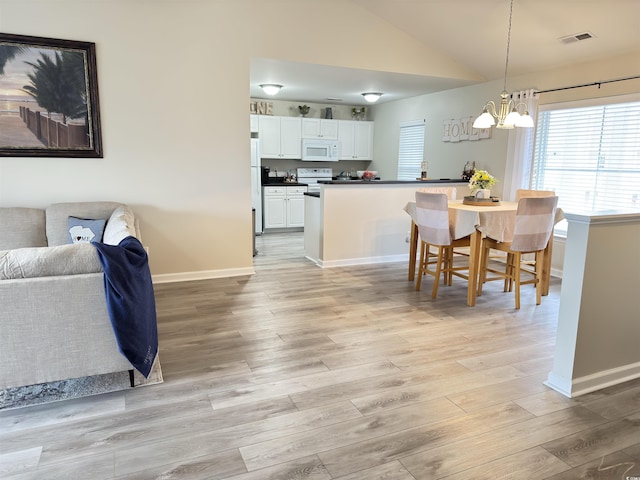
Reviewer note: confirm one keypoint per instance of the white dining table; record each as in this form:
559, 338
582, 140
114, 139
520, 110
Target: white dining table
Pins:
497, 221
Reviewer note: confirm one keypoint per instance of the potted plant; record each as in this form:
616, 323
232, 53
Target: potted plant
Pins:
304, 109
481, 182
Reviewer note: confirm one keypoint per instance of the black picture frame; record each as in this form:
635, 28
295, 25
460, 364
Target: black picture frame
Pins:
57, 103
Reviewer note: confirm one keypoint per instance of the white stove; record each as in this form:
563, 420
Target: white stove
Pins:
311, 176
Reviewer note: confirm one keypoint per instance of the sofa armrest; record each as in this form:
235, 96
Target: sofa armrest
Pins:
69, 259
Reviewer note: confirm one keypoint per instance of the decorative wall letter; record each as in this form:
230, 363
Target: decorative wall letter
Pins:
261, 108
458, 130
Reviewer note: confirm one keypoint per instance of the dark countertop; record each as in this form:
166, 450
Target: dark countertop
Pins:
393, 182
312, 194
284, 184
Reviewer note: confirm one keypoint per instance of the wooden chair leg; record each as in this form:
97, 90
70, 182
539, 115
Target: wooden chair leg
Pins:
484, 262
540, 272
508, 279
546, 271
420, 266
517, 258
436, 280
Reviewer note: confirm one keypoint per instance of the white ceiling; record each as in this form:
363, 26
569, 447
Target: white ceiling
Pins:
474, 34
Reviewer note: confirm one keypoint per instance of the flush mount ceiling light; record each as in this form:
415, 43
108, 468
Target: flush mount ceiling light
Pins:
372, 97
270, 88
508, 116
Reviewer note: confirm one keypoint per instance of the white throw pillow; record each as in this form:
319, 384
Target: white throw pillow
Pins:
120, 225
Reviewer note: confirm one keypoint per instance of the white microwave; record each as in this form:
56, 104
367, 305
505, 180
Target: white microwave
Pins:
314, 150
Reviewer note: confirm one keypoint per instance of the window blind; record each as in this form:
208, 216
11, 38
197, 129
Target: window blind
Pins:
590, 156
411, 149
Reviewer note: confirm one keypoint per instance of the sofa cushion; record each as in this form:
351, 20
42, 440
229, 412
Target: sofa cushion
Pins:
121, 224
57, 217
22, 227
49, 261
85, 230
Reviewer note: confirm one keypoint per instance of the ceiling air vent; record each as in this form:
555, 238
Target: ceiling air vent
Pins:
576, 38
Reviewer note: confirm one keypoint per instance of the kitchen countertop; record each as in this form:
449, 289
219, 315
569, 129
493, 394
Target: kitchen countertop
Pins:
392, 182
312, 194
284, 184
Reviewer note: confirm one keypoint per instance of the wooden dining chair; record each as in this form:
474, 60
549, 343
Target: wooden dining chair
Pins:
521, 193
527, 264
451, 193
535, 219
432, 219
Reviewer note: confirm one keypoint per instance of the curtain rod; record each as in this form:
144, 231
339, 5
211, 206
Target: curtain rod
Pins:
594, 84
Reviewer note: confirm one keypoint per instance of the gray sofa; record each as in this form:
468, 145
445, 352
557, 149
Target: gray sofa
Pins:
54, 323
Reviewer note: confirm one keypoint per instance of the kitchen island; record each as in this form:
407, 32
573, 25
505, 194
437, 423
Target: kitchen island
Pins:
356, 222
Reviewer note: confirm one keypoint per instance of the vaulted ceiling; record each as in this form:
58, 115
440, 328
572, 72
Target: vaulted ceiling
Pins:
474, 34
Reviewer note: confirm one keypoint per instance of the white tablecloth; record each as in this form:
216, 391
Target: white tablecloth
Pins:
496, 221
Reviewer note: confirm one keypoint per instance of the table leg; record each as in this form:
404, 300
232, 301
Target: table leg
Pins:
474, 266
413, 249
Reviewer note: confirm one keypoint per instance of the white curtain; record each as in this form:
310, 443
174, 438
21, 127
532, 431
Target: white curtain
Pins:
520, 148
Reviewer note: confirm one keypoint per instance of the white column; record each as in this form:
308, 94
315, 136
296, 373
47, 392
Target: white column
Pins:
599, 319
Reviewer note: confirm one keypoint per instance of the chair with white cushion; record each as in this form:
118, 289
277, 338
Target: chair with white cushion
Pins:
546, 270
535, 219
432, 220
451, 193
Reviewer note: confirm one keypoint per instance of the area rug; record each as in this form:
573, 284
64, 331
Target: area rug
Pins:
19, 397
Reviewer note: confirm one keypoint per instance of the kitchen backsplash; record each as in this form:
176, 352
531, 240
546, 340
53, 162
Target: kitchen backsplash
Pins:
345, 165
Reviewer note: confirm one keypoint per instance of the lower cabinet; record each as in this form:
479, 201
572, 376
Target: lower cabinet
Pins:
284, 207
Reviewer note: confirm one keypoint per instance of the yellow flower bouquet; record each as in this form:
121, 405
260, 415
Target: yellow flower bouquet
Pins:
481, 179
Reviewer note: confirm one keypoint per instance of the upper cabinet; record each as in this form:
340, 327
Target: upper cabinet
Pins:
320, 128
280, 137
253, 123
356, 140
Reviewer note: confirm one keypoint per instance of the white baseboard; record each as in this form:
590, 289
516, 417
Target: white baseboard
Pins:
201, 275
596, 381
363, 261
559, 384
313, 260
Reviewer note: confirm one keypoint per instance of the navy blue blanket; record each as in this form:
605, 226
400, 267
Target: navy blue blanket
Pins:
130, 301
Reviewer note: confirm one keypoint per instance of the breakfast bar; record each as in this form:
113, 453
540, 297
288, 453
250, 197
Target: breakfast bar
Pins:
361, 222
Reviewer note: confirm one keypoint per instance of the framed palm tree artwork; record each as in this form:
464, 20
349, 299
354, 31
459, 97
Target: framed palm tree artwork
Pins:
48, 98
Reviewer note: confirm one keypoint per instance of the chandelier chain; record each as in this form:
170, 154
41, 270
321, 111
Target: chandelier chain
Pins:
506, 63
506, 115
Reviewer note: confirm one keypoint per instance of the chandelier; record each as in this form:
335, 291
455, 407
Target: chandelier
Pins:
507, 116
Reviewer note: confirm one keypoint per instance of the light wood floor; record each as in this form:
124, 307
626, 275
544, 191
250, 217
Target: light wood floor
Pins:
346, 373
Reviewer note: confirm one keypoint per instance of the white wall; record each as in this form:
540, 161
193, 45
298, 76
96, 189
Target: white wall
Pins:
174, 97
446, 159
598, 318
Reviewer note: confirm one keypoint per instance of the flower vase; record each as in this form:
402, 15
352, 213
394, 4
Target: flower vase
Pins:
483, 194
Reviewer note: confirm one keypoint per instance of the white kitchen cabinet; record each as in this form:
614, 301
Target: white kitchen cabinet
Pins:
280, 137
320, 128
254, 123
284, 207
356, 140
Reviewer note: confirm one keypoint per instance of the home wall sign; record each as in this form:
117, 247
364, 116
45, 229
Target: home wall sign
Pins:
459, 130
261, 108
